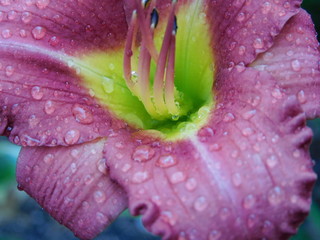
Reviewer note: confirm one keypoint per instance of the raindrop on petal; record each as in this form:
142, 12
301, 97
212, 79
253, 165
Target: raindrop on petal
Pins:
140, 177
48, 158
200, 204
99, 196
275, 196
166, 161
214, 235
39, 32
143, 153
177, 177
37, 93
72, 137
82, 114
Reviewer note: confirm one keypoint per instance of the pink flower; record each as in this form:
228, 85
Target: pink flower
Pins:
191, 113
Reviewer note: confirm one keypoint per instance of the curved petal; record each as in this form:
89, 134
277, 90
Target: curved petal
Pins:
294, 60
43, 103
73, 185
246, 175
241, 29
65, 25
42, 98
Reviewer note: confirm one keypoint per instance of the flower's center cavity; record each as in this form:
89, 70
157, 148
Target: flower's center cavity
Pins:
162, 78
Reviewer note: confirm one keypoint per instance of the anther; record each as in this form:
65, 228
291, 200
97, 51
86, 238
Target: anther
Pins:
145, 3
175, 26
154, 18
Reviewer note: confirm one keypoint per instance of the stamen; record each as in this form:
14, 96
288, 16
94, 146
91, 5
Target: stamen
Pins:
169, 82
131, 36
158, 85
146, 33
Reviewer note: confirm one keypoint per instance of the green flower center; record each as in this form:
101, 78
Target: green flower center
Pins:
163, 78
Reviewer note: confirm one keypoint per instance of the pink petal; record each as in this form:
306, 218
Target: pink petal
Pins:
44, 103
246, 175
73, 185
42, 99
294, 62
67, 25
241, 29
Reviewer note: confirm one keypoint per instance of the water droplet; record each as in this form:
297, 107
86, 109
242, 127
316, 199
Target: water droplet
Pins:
107, 85
182, 236
166, 161
12, 15
49, 107
240, 67
247, 132
33, 121
267, 227
72, 137
73, 167
224, 213
236, 179
272, 161
169, 217
23, 33
276, 93
99, 196
266, 7
88, 179
101, 164
143, 153
296, 154
140, 177
242, 50
26, 17
258, 43
252, 220
39, 32
302, 97
241, 16
36, 93
177, 177
6, 33
229, 117
215, 147
296, 66
249, 201
214, 235
200, 204
54, 41
82, 114
48, 158
101, 218
249, 114
275, 195
41, 4
126, 167
191, 184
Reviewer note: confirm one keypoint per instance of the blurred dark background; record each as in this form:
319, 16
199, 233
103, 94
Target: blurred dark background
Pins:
22, 219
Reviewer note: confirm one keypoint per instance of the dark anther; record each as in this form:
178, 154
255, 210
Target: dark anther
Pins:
145, 3
175, 25
154, 18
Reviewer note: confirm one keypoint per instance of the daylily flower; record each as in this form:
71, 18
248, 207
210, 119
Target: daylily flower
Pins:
191, 113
